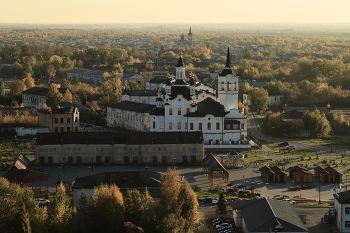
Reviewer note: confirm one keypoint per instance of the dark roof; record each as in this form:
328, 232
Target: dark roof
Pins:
205, 108
81, 107
275, 213
62, 110
292, 114
129, 179
133, 138
180, 90
180, 62
141, 92
134, 106
22, 162
158, 80
42, 91
63, 90
343, 197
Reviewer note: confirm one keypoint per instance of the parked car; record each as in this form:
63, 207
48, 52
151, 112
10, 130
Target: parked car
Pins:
283, 144
290, 201
291, 147
41, 201
208, 200
223, 226
220, 219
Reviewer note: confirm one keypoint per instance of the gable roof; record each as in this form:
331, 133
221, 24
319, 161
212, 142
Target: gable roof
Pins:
42, 91
134, 106
276, 213
343, 197
141, 92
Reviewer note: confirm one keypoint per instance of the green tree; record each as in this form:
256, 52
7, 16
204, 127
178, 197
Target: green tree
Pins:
221, 204
260, 99
317, 124
53, 97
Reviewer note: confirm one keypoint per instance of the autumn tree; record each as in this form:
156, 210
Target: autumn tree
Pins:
16, 87
28, 81
106, 209
260, 99
62, 217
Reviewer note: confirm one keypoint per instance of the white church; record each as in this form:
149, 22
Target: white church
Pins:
182, 108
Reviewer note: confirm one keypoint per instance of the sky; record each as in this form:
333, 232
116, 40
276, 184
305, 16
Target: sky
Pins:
174, 11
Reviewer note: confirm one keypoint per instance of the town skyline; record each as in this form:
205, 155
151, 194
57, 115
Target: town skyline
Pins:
191, 12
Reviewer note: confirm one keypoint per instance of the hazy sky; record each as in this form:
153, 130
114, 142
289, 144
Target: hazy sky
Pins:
176, 11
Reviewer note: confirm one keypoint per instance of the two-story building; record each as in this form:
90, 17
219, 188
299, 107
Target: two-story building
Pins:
90, 76
36, 96
60, 119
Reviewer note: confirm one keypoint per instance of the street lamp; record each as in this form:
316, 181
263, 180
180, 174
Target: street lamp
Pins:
59, 173
89, 170
174, 159
92, 163
319, 189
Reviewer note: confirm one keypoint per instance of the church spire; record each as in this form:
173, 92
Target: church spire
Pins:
180, 61
190, 33
228, 58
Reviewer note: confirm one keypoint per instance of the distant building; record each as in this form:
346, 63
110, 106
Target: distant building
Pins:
60, 119
36, 96
90, 76
181, 108
276, 100
119, 148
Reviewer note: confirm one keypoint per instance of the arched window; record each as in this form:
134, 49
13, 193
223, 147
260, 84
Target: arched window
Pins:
242, 126
229, 86
154, 125
200, 126
209, 126
170, 111
170, 125
217, 125
178, 125
222, 86
191, 126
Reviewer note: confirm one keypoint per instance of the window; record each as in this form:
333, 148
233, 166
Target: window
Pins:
217, 125
209, 126
56, 129
61, 129
187, 110
170, 111
68, 120
179, 111
76, 119
178, 125
347, 210
191, 126
68, 129
170, 125
242, 126
56, 120
235, 83
347, 224
222, 86
61, 120
200, 126
154, 125
229, 86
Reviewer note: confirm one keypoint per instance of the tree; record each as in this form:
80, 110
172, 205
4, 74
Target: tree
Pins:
62, 217
28, 81
317, 124
259, 98
53, 97
221, 204
106, 210
16, 87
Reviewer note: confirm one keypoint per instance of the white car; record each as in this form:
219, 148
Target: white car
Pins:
290, 201
223, 225
291, 147
41, 201
215, 200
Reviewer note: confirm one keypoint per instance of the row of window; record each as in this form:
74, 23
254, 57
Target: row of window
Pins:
178, 111
67, 130
67, 121
127, 116
32, 98
200, 126
228, 86
93, 149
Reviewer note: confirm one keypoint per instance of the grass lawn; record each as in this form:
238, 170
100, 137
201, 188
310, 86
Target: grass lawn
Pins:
312, 204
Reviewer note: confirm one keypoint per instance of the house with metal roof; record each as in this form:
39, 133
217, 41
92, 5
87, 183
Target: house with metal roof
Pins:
83, 75
266, 216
